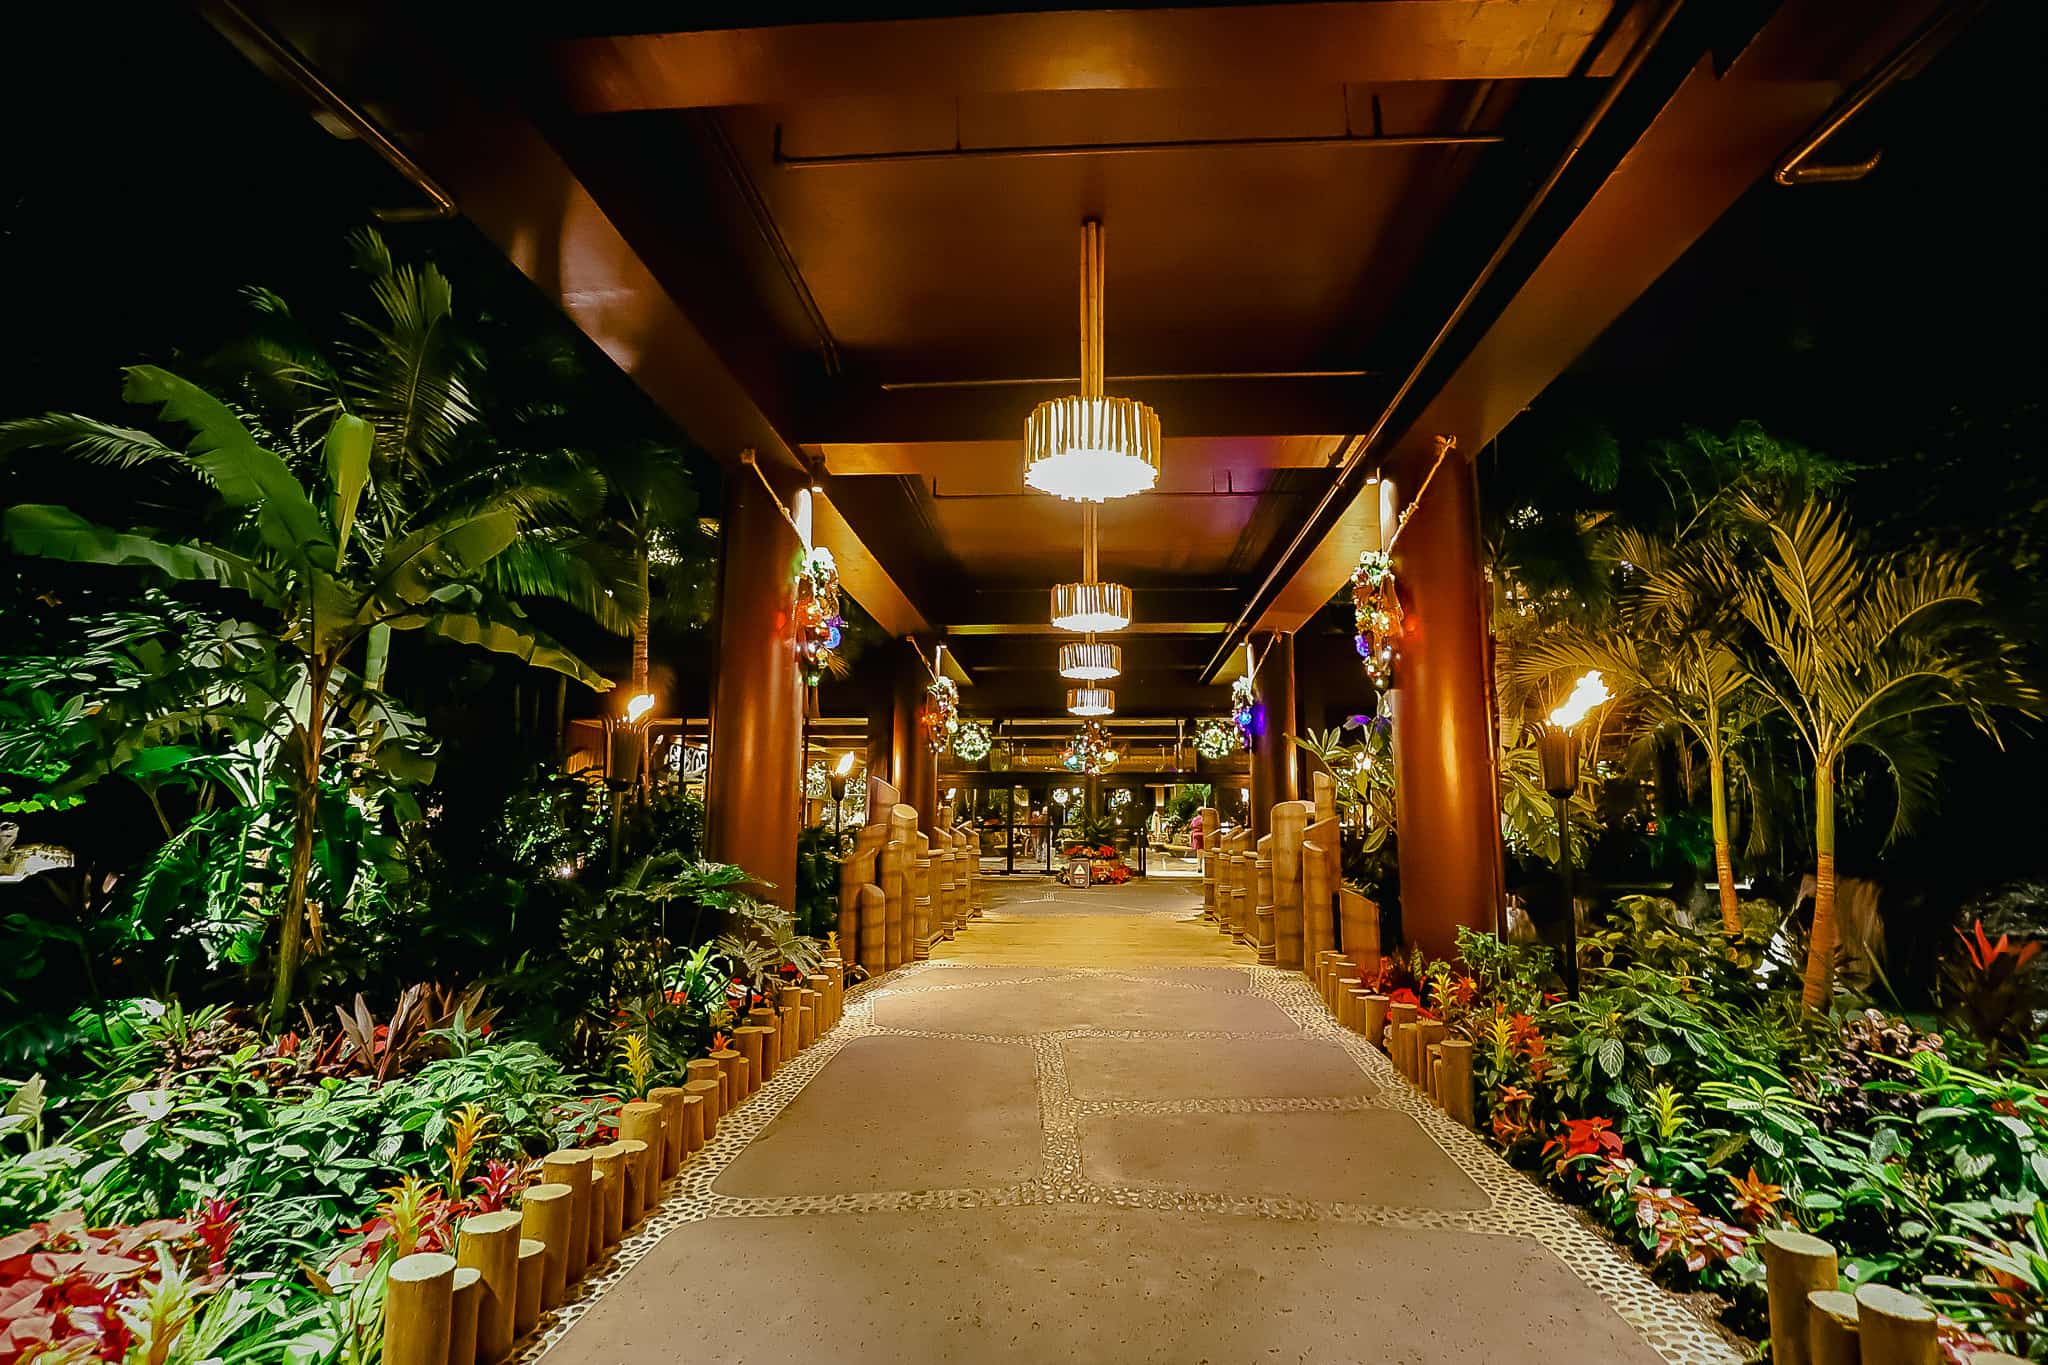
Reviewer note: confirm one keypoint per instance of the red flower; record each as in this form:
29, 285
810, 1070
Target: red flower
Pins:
1582, 1138
1403, 996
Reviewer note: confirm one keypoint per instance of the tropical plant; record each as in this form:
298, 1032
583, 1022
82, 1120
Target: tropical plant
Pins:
1864, 651
291, 557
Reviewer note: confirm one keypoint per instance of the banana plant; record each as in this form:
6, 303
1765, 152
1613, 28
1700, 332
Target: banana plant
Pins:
291, 555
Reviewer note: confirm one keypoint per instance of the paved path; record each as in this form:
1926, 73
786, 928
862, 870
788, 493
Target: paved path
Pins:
1139, 1160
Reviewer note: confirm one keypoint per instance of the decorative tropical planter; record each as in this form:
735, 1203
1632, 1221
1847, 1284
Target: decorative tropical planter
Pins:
1106, 867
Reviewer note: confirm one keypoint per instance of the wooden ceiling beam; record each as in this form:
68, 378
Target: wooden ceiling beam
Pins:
1123, 49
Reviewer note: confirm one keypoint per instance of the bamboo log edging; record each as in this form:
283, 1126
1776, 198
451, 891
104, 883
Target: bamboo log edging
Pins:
489, 1245
639, 1193
674, 1145
1895, 1328
1456, 1084
753, 1050
704, 1069
544, 1216
419, 1308
609, 1169
1831, 1329
532, 1278
571, 1169
642, 1122
693, 1123
706, 1091
465, 1309
1795, 1265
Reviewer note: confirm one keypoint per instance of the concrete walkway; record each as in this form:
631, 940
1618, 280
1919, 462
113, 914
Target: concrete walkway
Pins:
1165, 1155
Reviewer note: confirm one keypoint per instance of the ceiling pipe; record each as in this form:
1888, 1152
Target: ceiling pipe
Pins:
1792, 169
914, 385
270, 51
1356, 466
1053, 150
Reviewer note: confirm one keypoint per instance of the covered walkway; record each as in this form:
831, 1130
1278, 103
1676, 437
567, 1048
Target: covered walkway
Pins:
1172, 1155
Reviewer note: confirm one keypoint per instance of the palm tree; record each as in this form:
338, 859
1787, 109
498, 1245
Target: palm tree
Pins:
1671, 662
291, 553
1863, 651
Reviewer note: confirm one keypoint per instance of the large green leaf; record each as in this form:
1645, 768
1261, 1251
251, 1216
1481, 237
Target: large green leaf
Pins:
454, 546
528, 645
348, 470
229, 457
60, 533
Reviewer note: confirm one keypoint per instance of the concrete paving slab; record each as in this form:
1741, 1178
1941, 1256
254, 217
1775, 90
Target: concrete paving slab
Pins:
1371, 1156
1209, 1068
1084, 1002
1081, 1286
900, 1114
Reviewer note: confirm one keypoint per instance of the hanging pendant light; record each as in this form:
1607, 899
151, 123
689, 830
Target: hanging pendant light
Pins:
1087, 447
1090, 660
1088, 606
1091, 701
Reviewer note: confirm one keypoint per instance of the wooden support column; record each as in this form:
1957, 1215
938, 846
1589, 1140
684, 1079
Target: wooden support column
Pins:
914, 766
1447, 795
1274, 771
751, 791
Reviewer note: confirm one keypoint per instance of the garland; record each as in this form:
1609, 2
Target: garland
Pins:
1215, 739
1378, 615
942, 713
818, 622
971, 743
1090, 751
1244, 709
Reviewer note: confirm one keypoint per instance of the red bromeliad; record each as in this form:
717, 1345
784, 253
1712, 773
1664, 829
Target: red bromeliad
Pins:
1582, 1139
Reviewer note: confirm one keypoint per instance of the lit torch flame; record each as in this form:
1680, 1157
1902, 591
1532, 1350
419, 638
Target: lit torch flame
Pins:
1587, 693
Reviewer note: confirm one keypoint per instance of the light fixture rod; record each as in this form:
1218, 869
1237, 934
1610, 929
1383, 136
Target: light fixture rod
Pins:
1091, 308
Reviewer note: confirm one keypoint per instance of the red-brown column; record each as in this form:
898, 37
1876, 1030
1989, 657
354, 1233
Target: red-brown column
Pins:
750, 794
1274, 771
915, 765
1447, 797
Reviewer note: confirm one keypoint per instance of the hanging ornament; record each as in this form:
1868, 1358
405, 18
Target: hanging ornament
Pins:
1378, 615
1244, 709
818, 622
942, 713
971, 744
1090, 751
1215, 739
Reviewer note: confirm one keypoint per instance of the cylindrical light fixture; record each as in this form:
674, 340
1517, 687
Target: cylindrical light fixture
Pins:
1097, 607
1091, 660
1091, 701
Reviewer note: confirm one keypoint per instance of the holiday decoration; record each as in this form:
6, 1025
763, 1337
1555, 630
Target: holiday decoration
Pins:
818, 623
1215, 739
971, 743
1378, 613
942, 713
1244, 709
1089, 751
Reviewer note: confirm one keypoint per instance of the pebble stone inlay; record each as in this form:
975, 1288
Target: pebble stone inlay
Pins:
1518, 1207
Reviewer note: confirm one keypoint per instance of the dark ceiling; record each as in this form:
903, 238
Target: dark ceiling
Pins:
855, 243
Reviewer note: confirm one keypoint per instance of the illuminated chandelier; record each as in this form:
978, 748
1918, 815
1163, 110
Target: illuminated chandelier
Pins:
1090, 660
1086, 447
1091, 701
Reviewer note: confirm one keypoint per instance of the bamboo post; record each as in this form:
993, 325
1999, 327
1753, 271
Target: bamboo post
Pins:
693, 1124
1428, 1032
1455, 1088
773, 1058
1895, 1328
807, 1018
820, 1001
418, 1306
707, 1091
571, 1168
673, 1148
1432, 1061
610, 1167
1376, 1019
639, 1192
729, 1062
1795, 1264
1319, 878
489, 1245
600, 1199
752, 1050
642, 1123
533, 1274
1831, 1334
465, 1308
1404, 1050
545, 1216
1344, 1000
791, 1000
874, 928
704, 1069
1398, 1015
1290, 826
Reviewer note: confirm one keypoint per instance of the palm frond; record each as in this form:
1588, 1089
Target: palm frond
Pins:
584, 574
87, 438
